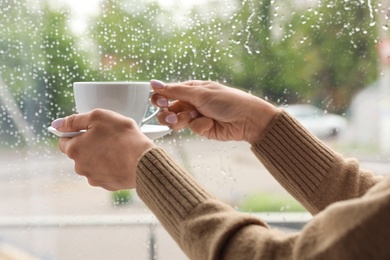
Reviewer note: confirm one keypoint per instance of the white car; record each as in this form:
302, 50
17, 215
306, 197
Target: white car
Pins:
318, 121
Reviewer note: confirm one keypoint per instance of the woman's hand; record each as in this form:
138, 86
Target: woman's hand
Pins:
212, 110
108, 153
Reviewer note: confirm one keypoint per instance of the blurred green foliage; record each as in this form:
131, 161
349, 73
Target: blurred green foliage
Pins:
283, 52
39, 61
336, 47
121, 197
270, 202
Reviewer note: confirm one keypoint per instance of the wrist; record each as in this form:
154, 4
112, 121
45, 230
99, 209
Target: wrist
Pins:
144, 147
259, 117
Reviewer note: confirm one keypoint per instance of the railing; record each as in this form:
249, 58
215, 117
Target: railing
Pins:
293, 221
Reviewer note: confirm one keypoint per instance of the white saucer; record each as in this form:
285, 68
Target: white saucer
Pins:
155, 131
64, 134
151, 131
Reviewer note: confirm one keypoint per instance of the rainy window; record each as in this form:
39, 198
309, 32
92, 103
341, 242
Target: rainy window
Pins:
325, 61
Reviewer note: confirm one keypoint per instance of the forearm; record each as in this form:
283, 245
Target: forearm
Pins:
348, 230
199, 223
206, 228
313, 173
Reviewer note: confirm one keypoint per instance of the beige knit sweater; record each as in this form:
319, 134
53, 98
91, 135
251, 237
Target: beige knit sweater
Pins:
351, 206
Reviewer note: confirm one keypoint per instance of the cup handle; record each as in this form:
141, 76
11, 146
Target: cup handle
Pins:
153, 115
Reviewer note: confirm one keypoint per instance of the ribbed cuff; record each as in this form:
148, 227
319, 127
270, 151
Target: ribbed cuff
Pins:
296, 158
198, 222
169, 191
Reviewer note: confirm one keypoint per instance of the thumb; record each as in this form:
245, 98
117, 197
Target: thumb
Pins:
185, 91
71, 123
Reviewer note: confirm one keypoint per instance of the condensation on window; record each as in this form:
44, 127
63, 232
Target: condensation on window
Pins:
326, 61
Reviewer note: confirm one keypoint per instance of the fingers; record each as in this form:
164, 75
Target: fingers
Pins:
79, 122
179, 113
182, 112
76, 123
71, 123
66, 147
176, 106
62, 144
179, 91
177, 121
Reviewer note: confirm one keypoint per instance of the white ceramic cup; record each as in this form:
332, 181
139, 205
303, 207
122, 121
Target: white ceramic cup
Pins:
130, 99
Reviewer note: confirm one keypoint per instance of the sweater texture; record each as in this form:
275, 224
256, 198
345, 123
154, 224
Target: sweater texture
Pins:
350, 205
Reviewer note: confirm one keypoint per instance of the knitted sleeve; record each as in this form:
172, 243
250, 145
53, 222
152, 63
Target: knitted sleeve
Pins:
309, 170
352, 223
199, 223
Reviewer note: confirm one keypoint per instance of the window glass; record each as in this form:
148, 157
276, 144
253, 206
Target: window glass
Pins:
326, 60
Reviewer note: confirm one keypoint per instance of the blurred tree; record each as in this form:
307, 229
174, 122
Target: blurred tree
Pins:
140, 41
336, 43
130, 41
325, 53
39, 60
204, 46
63, 62
259, 62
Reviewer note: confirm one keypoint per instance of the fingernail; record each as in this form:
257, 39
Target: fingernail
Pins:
57, 123
194, 114
162, 102
171, 119
157, 84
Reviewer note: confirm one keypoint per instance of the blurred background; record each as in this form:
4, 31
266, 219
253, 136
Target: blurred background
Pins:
327, 62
